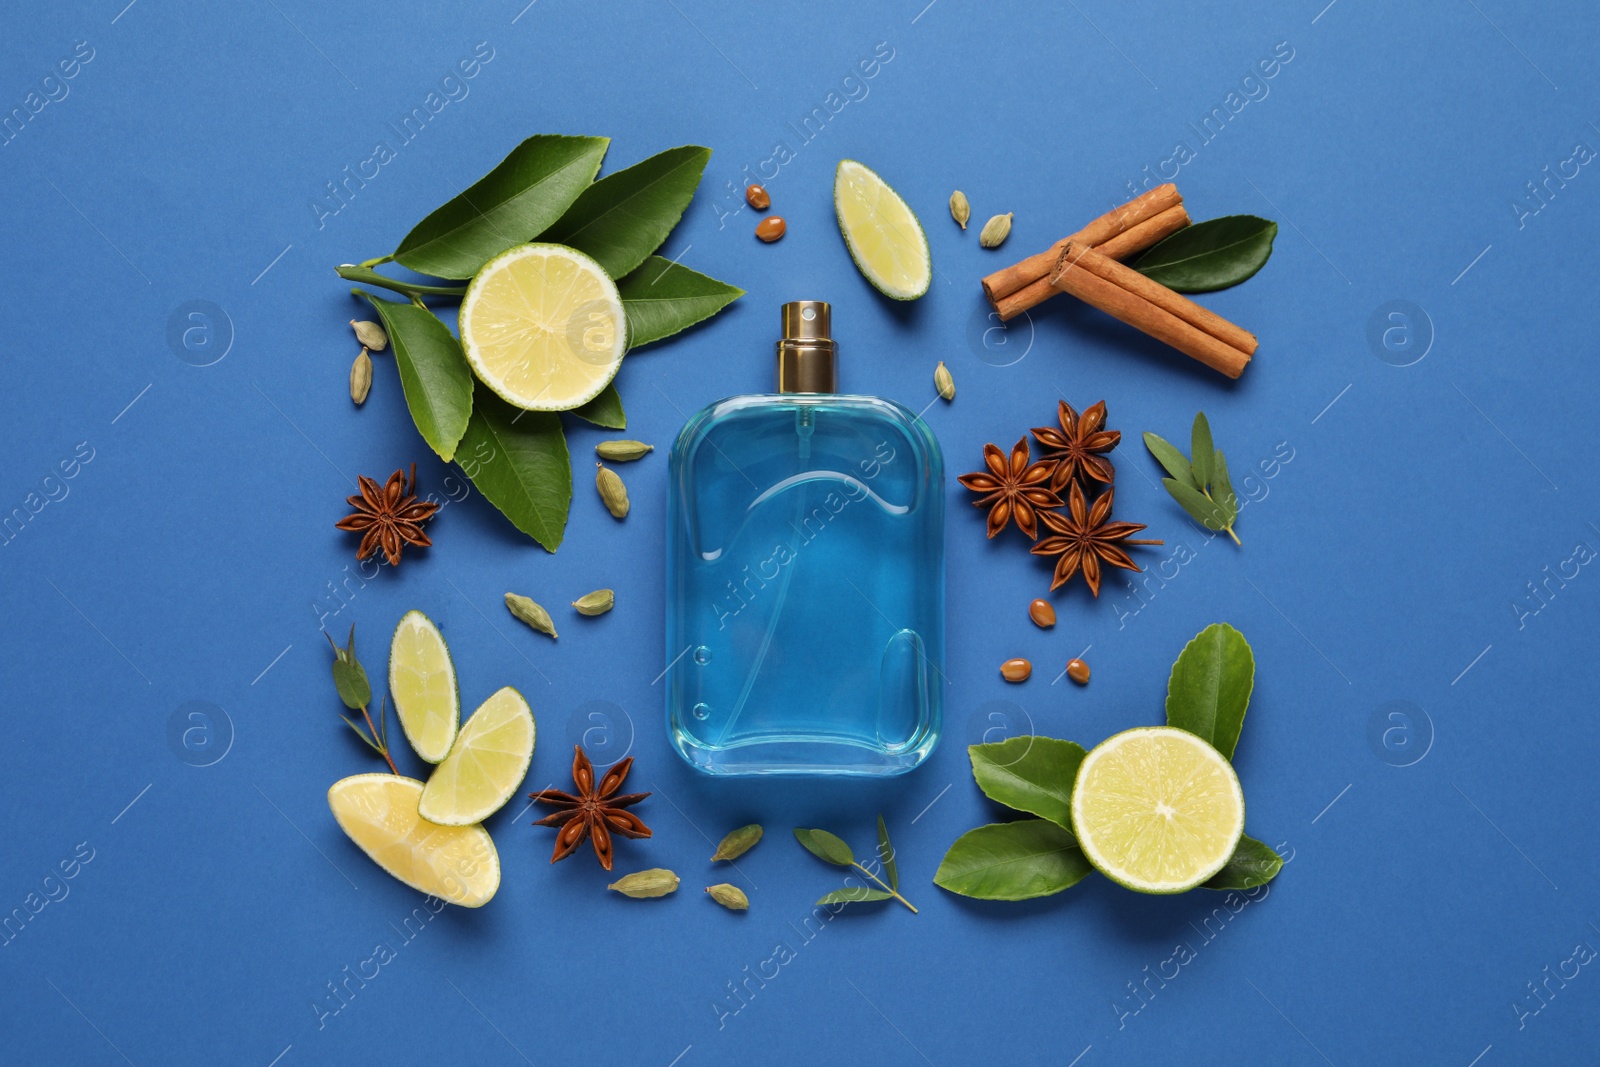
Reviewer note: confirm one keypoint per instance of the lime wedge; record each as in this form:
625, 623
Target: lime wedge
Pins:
1157, 809
542, 325
487, 764
883, 235
422, 683
379, 813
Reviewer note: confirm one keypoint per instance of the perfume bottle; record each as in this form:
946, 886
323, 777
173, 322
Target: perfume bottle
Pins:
805, 575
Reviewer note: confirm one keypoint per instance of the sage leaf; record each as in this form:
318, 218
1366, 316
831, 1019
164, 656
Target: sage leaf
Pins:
1201, 450
660, 298
1221, 488
1210, 255
604, 410
826, 847
520, 198
1013, 861
433, 373
1251, 864
623, 217
1176, 463
1210, 685
518, 460
891, 869
1201, 508
1031, 774
854, 894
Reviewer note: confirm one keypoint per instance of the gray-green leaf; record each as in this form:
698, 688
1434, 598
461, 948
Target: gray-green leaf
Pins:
1210, 255
433, 373
1013, 861
1031, 774
349, 676
604, 410
826, 847
1209, 689
518, 460
891, 869
854, 894
623, 217
1176, 463
1251, 864
530, 189
1201, 508
1201, 450
660, 298
1221, 487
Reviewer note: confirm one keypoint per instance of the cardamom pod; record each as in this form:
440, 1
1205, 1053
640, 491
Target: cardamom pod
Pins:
729, 896
944, 381
612, 492
361, 378
596, 603
995, 231
960, 210
371, 335
530, 612
737, 843
622, 451
656, 882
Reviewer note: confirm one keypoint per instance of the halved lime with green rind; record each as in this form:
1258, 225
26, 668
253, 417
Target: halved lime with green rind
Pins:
379, 813
422, 684
882, 233
486, 765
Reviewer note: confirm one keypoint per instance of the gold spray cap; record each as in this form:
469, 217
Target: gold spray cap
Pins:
808, 356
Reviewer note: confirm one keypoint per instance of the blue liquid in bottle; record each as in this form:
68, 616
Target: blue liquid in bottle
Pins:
805, 576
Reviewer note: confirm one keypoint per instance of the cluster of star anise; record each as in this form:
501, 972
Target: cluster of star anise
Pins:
1073, 460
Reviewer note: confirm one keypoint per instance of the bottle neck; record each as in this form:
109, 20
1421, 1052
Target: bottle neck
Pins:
808, 365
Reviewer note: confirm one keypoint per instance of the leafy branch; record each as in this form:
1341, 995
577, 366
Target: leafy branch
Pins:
350, 679
831, 849
1199, 483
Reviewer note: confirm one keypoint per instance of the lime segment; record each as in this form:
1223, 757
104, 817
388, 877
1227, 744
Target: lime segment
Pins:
422, 683
881, 231
487, 764
379, 813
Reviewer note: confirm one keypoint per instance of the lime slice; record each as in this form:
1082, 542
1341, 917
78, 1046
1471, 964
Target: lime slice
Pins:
422, 683
542, 325
487, 764
884, 237
379, 813
1157, 809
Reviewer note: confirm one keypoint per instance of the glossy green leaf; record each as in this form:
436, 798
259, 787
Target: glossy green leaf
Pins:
1251, 864
1031, 774
604, 410
1201, 450
826, 847
854, 894
1210, 685
661, 298
518, 460
1013, 861
1176, 463
1201, 508
623, 217
520, 198
1210, 255
891, 869
434, 374
1221, 487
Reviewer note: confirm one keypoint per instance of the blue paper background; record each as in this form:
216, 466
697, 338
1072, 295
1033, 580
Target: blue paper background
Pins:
193, 558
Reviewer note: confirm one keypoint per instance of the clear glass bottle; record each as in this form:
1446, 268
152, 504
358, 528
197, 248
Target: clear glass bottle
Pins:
805, 576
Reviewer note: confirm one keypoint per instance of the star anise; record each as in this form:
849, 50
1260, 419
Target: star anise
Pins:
388, 516
1084, 538
1076, 446
1013, 489
595, 813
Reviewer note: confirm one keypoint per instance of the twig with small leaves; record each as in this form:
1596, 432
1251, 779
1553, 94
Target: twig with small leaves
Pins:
831, 849
350, 678
1200, 483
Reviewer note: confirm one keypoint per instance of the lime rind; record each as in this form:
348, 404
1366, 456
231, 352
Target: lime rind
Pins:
480, 755
418, 712
896, 223
378, 812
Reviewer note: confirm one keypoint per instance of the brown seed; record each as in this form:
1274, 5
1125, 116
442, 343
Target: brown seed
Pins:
1042, 613
770, 228
1078, 671
1016, 670
757, 197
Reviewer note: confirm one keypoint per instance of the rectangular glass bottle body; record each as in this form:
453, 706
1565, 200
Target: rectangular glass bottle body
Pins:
805, 587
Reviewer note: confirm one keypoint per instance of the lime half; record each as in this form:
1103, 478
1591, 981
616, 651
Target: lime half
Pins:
422, 683
487, 764
379, 813
883, 234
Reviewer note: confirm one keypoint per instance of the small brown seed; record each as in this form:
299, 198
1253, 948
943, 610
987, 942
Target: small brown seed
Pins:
1042, 613
1016, 670
771, 228
757, 197
1078, 671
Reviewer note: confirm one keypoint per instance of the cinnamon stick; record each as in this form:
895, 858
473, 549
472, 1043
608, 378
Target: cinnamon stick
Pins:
1152, 308
1129, 242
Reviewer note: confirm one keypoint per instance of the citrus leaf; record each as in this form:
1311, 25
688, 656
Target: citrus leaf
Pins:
1176, 463
1201, 450
854, 894
1251, 864
623, 217
604, 410
891, 869
520, 197
1031, 774
1210, 686
660, 298
1201, 508
1222, 489
433, 373
1013, 861
1210, 255
518, 460
826, 847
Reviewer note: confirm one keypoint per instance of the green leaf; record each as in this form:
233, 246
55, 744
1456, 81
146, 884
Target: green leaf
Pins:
854, 894
1251, 864
604, 410
1031, 774
518, 460
1201, 450
349, 676
623, 217
661, 298
1210, 255
1210, 685
1013, 861
891, 869
1176, 463
1201, 508
519, 198
433, 373
1222, 488
826, 847
362, 733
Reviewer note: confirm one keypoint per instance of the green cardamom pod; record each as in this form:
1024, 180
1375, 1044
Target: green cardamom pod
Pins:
371, 335
944, 381
729, 896
995, 231
738, 842
361, 378
622, 451
530, 612
656, 882
612, 492
596, 603
960, 210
